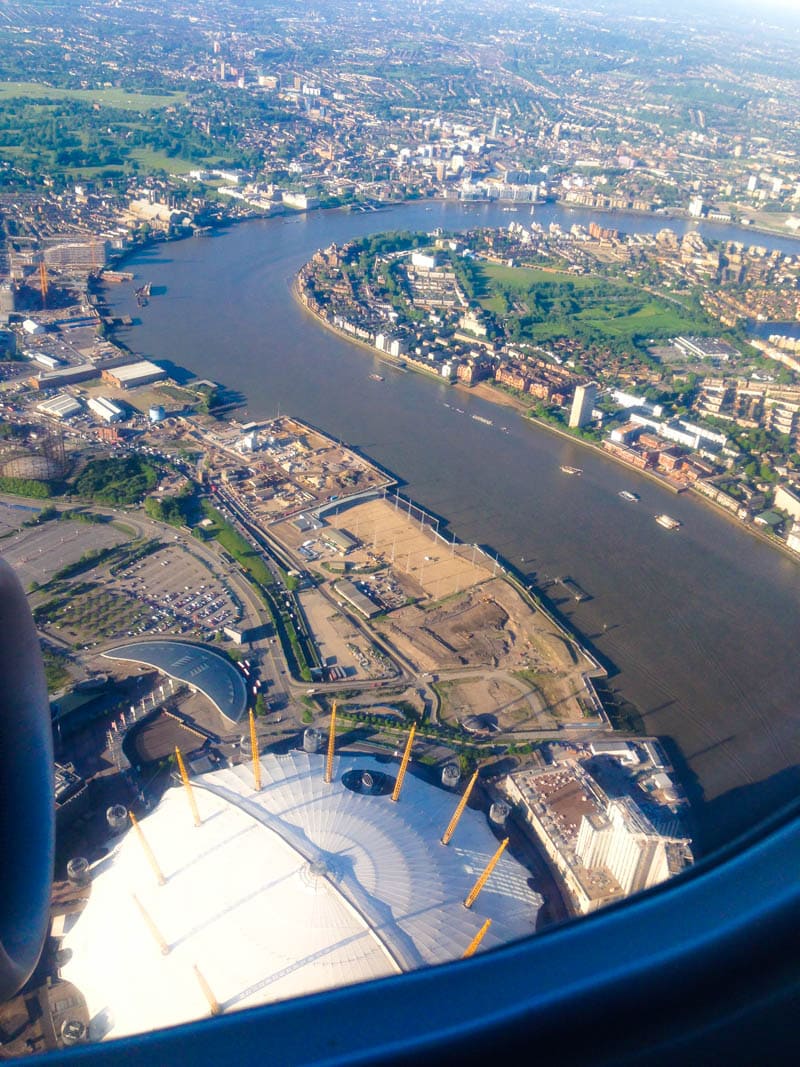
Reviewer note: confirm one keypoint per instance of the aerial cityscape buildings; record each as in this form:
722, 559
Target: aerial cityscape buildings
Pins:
401, 740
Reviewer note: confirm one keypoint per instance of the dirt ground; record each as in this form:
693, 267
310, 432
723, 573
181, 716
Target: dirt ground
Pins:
339, 642
489, 625
397, 538
493, 655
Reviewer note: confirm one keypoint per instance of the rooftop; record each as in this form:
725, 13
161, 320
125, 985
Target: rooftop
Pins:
300, 887
203, 668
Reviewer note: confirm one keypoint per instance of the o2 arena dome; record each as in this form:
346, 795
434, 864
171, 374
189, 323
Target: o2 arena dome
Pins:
299, 886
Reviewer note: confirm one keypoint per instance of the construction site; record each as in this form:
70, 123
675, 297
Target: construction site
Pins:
451, 612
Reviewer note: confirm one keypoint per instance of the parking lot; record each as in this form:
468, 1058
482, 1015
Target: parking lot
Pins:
38, 552
183, 594
170, 591
12, 517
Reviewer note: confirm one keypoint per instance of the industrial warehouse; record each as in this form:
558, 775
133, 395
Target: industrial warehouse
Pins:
300, 874
130, 375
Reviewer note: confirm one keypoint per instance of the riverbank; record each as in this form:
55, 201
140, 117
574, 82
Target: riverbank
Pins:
491, 394
681, 216
483, 389
376, 353
652, 476
748, 528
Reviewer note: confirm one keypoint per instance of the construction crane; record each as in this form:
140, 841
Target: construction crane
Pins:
472, 896
331, 745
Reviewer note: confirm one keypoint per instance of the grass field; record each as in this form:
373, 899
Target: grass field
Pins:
118, 98
147, 160
151, 160
524, 277
652, 318
552, 303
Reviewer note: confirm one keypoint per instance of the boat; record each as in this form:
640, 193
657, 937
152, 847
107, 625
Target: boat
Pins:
480, 418
571, 470
376, 378
143, 294
627, 495
667, 522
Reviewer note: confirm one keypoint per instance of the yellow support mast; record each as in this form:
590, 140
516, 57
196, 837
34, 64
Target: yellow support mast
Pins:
213, 1003
254, 751
472, 946
45, 285
398, 785
484, 878
187, 786
331, 745
147, 850
451, 828
151, 926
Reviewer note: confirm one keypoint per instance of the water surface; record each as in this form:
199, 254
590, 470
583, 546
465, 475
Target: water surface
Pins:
701, 625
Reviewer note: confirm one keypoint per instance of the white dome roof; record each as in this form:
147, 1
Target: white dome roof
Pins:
301, 887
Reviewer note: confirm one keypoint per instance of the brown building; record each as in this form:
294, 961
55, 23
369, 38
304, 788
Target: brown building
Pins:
511, 377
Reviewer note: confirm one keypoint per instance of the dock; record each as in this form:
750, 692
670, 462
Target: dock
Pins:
574, 590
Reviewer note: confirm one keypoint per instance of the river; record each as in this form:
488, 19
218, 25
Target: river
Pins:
701, 625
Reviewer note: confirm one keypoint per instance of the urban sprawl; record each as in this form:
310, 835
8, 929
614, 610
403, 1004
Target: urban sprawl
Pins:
146, 519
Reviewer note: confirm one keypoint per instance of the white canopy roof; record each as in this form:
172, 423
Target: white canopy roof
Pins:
300, 887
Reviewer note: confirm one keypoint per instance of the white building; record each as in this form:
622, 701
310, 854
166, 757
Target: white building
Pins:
603, 849
630, 400
300, 201
60, 406
78, 255
296, 887
8, 300
105, 409
788, 501
582, 405
130, 375
424, 260
249, 443
626, 844
683, 433
46, 360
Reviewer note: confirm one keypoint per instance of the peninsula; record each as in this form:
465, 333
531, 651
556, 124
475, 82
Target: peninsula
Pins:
616, 339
